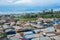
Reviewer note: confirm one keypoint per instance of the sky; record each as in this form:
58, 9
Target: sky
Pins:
28, 5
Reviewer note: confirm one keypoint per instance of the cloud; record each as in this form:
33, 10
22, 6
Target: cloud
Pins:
7, 2
14, 2
21, 5
29, 2
23, 2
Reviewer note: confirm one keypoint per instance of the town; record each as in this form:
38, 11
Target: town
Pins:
23, 29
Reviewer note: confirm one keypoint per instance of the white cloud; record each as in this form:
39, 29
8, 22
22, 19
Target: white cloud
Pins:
10, 1
7, 2
30, 2
45, 2
13, 2
23, 1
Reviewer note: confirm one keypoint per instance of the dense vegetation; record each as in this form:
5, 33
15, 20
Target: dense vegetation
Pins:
55, 14
33, 16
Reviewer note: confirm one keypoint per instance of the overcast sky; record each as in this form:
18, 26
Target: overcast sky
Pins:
28, 5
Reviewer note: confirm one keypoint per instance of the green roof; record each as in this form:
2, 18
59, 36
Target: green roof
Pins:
2, 35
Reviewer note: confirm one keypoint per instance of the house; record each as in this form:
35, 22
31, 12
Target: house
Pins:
1, 21
57, 28
39, 19
2, 35
48, 29
4, 38
57, 37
